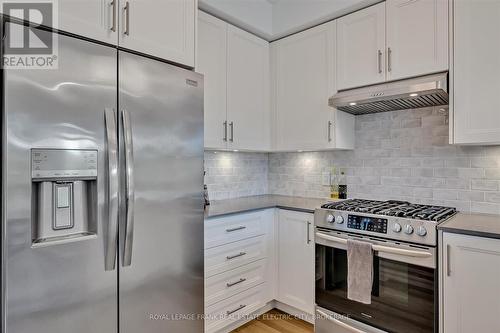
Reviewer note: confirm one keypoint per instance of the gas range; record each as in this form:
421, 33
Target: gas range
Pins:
396, 220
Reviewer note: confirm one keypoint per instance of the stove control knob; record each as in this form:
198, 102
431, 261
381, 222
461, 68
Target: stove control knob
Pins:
421, 231
330, 218
339, 219
396, 227
408, 229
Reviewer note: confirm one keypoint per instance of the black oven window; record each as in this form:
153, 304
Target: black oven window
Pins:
403, 295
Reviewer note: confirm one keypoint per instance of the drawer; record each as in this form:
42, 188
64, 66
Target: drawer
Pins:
227, 284
227, 229
223, 258
232, 309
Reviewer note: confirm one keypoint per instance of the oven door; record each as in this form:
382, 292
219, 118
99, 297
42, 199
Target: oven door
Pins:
404, 283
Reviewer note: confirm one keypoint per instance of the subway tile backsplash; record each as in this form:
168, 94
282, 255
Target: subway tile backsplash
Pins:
231, 175
402, 155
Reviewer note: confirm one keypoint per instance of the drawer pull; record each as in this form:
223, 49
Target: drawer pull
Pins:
236, 255
235, 310
241, 227
230, 284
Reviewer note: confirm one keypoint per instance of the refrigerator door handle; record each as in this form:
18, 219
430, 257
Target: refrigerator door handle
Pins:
130, 190
112, 197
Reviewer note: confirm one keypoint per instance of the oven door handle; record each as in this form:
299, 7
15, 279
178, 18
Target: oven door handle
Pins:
339, 323
379, 248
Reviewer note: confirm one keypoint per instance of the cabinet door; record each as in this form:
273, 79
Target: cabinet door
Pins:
475, 72
303, 73
296, 260
211, 62
417, 37
471, 288
90, 18
164, 29
248, 97
360, 47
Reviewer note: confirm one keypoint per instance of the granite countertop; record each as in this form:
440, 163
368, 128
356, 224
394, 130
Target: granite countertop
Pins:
483, 225
245, 204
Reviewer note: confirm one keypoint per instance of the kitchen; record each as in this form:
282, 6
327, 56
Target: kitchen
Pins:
350, 152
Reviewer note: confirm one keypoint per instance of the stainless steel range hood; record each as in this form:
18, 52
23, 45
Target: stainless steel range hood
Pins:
424, 91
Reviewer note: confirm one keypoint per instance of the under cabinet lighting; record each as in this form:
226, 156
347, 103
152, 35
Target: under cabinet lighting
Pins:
414, 95
235, 150
352, 103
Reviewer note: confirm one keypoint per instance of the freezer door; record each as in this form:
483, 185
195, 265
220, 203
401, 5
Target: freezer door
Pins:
161, 270
61, 285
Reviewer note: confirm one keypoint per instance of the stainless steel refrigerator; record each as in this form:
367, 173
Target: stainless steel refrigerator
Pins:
102, 180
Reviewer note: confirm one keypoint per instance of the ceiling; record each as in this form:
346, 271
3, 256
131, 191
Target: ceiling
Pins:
273, 19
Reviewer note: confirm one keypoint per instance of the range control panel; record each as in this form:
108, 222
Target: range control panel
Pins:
63, 163
367, 223
392, 227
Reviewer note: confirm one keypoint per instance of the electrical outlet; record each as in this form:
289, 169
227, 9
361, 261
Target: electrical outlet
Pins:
326, 179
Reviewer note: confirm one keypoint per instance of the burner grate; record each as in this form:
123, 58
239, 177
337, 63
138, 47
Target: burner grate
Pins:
394, 208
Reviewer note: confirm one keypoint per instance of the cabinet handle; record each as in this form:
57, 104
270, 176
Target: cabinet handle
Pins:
389, 59
448, 267
231, 124
230, 284
126, 10
236, 228
330, 131
241, 254
379, 61
237, 309
112, 4
224, 126
308, 232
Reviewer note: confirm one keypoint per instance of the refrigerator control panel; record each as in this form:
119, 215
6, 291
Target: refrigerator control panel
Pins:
63, 164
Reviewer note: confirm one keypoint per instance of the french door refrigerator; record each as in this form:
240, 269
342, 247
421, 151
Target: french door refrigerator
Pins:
102, 207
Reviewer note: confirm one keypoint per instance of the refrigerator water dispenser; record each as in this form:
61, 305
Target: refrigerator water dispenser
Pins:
64, 195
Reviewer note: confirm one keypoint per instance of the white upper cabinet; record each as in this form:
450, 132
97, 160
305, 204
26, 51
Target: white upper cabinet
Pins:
248, 96
235, 65
96, 19
417, 37
475, 72
361, 47
164, 29
471, 293
296, 260
303, 72
211, 62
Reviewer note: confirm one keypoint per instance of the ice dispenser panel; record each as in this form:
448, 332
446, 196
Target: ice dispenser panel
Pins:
64, 196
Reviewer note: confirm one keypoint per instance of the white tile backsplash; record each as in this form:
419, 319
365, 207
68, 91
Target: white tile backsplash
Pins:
232, 175
401, 155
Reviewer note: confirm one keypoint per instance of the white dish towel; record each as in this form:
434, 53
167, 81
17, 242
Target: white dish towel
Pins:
359, 271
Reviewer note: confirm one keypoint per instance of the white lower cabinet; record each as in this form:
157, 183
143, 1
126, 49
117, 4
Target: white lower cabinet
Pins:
471, 288
295, 260
232, 309
254, 259
229, 256
227, 284
239, 267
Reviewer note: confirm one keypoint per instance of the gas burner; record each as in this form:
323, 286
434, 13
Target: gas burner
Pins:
394, 208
